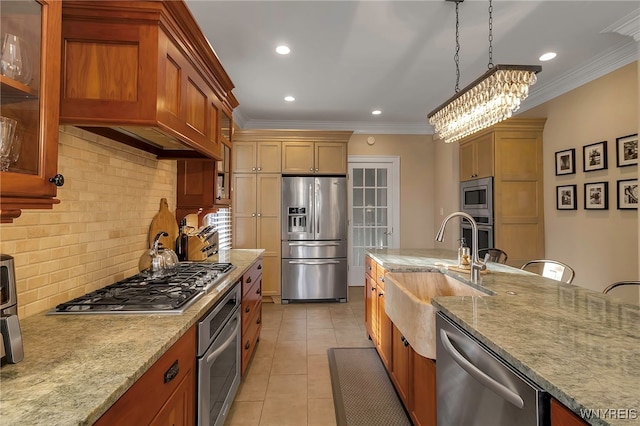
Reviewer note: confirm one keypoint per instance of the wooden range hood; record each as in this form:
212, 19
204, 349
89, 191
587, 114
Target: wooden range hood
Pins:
142, 73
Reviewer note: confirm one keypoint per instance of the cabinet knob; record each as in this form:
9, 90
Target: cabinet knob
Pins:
253, 169
316, 170
248, 280
311, 169
218, 198
259, 214
247, 345
259, 168
57, 180
253, 215
247, 309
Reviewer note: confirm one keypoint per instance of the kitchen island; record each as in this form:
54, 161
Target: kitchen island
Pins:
579, 345
77, 366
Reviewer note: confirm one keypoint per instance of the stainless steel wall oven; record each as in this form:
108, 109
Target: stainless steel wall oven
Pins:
218, 359
476, 199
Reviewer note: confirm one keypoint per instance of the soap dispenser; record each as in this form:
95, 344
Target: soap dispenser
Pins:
463, 254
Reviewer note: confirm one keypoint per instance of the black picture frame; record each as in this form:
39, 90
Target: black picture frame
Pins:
566, 162
627, 194
566, 197
596, 196
594, 156
627, 150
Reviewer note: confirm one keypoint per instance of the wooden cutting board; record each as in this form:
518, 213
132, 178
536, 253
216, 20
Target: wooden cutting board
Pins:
165, 221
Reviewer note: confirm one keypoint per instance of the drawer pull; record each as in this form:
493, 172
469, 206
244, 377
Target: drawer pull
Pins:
258, 290
172, 372
260, 266
247, 309
247, 345
248, 280
259, 320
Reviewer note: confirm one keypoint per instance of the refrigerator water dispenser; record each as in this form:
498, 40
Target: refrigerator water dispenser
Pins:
297, 219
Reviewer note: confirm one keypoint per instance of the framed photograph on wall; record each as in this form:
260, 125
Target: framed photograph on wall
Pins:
594, 156
628, 194
565, 162
596, 196
566, 197
627, 150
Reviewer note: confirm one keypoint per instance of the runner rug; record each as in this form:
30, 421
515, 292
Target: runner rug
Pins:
363, 394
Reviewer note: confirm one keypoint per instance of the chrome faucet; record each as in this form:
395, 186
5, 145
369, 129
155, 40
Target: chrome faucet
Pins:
476, 264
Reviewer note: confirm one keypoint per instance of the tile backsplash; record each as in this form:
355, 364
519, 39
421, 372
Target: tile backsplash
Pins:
97, 233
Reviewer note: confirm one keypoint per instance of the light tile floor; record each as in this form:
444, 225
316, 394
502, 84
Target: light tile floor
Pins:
288, 382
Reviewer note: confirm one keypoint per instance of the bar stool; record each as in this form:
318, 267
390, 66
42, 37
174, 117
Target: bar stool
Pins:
495, 255
550, 269
620, 284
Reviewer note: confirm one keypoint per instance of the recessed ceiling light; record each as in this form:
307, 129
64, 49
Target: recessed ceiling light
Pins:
548, 56
376, 112
289, 98
283, 50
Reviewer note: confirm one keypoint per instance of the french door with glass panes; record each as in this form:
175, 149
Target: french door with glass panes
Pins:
374, 209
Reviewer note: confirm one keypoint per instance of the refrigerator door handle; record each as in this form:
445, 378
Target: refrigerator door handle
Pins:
311, 205
313, 262
317, 208
312, 244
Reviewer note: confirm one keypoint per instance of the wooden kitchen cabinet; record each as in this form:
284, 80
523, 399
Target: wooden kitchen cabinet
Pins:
378, 324
256, 222
423, 397
33, 101
251, 311
257, 157
476, 158
161, 87
562, 416
413, 375
165, 394
203, 186
314, 157
383, 343
400, 371
514, 148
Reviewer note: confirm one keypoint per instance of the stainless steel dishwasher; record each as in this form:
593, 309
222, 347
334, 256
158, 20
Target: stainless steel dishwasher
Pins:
477, 388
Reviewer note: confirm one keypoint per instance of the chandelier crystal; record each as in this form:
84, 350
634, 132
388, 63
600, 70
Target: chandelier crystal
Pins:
493, 97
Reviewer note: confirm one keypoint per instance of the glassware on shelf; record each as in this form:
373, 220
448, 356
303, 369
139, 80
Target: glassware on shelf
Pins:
14, 62
7, 132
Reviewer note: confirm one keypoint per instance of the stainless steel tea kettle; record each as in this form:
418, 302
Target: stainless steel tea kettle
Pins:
158, 262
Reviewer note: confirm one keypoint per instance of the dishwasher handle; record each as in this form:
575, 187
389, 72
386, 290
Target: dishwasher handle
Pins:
500, 389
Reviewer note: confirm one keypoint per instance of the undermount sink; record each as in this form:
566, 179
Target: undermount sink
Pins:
408, 304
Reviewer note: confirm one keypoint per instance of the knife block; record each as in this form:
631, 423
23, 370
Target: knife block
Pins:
195, 249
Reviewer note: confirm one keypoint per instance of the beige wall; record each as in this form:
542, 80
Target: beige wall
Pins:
97, 233
417, 177
602, 246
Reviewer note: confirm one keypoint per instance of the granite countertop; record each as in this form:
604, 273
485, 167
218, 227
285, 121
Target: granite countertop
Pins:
76, 366
581, 346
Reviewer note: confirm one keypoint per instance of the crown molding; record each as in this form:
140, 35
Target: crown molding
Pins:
611, 60
628, 25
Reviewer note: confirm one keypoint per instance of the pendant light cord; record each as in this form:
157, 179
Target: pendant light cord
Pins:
456, 57
490, 34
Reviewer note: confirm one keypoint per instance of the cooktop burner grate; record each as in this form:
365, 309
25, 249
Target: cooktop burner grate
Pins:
141, 294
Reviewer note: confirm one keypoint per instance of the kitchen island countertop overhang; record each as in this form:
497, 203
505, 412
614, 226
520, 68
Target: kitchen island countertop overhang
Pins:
579, 345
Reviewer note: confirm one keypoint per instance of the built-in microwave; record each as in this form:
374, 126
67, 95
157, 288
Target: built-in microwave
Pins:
476, 198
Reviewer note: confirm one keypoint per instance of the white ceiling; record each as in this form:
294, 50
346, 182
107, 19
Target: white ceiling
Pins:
350, 57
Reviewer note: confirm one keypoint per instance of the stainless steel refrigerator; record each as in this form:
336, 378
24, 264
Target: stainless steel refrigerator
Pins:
314, 238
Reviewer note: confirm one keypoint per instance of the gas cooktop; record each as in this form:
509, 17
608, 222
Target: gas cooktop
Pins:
139, 294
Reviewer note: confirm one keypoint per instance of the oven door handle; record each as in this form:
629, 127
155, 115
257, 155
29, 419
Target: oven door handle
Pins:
224, 346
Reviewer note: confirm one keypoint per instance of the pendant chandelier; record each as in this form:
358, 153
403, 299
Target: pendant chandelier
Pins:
491, 98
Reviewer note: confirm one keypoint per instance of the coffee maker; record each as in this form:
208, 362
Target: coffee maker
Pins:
11, 343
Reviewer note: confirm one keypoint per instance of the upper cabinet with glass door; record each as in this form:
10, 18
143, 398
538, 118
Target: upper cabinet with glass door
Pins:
29, 105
